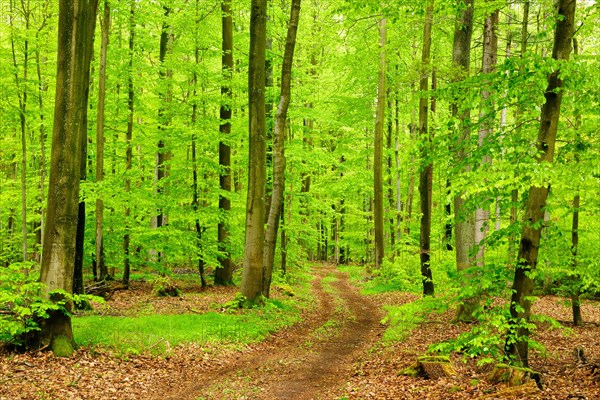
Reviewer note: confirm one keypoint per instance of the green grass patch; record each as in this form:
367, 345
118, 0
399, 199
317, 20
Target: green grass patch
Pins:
158, 333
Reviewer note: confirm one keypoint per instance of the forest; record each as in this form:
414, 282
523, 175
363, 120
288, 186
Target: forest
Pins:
299, 199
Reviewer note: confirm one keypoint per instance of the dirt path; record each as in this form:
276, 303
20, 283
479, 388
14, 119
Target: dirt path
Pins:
311, 360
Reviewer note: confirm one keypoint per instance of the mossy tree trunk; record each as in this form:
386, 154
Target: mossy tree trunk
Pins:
76, 25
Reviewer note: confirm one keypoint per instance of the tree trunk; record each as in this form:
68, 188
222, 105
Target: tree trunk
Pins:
163, 154
224, 274
397, 165
464, 228
426, 174
75, 48
575, 303
486, 122
520, 305
128, 151
21, 86
279, 149
518, 116
252, 272
105, 26
378, 144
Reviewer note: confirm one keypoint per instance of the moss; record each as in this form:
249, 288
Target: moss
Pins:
62, 346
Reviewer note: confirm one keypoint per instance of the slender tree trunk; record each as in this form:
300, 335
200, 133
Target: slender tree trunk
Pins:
252, 273
224, 274
21, 84
378, 144
426, 174
520, 305
75, 48
575, 290
464, 228
105, 26
41, 89
448, 216
515, 193
279, 149
128, 151
163, 154
486, 123
575, 302
390, 177
397, 165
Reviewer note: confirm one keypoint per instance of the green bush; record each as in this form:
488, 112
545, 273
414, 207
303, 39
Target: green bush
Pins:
23, 304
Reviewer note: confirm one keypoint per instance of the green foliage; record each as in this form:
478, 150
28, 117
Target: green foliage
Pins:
404, 318
23, 303
163, 285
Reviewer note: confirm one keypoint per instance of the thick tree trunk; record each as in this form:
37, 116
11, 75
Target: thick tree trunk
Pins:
224, 274
75, 48
378, 150
252, 273
520, 305
279, 149
426, 174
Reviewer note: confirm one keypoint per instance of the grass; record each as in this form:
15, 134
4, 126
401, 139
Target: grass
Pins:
157, 334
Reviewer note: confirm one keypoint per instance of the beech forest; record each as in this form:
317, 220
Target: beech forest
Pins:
299, 199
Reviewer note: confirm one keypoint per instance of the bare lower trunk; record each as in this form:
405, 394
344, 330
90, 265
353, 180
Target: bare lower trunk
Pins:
252, 273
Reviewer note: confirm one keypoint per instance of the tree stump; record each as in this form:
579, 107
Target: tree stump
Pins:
432, 367
514, 376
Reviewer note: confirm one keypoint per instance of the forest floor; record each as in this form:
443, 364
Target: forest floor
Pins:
335, 352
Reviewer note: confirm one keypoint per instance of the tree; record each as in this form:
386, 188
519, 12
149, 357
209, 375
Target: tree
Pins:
252, 273
378, 156
128, 151
522, 288
224, 274
76, 25
276, 206
105, 26
426, 173
486, 121
463, 219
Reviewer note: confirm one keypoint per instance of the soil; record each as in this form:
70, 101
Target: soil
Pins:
335, 352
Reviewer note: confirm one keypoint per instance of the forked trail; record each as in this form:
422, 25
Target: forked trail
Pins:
310, 360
